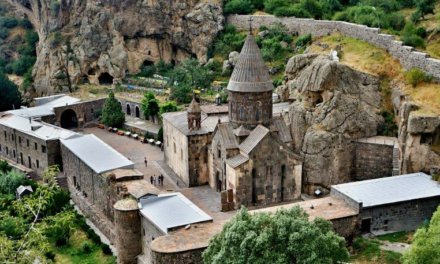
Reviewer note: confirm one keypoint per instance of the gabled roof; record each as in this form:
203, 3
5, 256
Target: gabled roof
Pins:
21, 189
250, 73
254, 139
179, 120
241, 131
279, 125
99, 156
229, 141
390, 189
171, 210
236, 161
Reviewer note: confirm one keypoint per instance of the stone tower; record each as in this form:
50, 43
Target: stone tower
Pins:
250, 89
128, 231
194, 115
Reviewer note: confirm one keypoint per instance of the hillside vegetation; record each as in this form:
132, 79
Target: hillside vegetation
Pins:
415, 22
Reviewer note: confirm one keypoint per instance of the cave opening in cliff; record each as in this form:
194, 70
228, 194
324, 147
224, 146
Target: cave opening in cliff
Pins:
147, 63
105, 78
69, 119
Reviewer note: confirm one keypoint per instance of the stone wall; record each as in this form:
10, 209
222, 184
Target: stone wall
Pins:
250, 109
408, 56
404, 216
346, 227
149, 233
131, 108
372, 160
90, 192
176, 150
85, 111
186, 257
27, 150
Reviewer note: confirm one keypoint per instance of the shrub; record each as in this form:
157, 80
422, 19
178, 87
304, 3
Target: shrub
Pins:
10, 181
86, 247
410, 37
415, 76
4, 166
106, 249
239, 7
303, 40
8, 22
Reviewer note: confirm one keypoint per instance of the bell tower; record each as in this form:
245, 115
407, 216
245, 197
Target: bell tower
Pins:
194, 115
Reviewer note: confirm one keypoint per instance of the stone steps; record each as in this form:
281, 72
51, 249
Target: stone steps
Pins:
396, 161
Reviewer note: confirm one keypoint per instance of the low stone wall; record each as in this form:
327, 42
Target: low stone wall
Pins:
408, 56
187, 257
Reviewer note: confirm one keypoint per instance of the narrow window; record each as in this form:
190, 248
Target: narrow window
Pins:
13, 152
174, 147
36, 146
27, 142
30, 162
19, 140
7, 151
254, 186
38, 164
43, 149
6, 137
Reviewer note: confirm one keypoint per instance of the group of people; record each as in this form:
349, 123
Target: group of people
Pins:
158, 179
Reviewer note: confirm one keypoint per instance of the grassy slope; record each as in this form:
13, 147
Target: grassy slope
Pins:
368, 58
73, 253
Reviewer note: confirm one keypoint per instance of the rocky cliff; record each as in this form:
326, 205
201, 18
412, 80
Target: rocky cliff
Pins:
333, 104
98, 41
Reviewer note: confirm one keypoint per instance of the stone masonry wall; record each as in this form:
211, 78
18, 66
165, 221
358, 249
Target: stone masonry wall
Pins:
187, 257
405, 216
372, 161
408, 56
85, 111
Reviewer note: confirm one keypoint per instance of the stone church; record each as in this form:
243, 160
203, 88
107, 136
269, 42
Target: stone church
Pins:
246, 151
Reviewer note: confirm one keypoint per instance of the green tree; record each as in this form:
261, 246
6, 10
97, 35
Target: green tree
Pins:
9, 181
425, 7
4, 166
169, 106
112, 114
426, 243
59, 227
285, 237
10, 97
239, 7
49, 175
150, 105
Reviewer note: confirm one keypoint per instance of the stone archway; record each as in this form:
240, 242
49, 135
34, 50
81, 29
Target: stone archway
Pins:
69, 119
137, 112
128, 110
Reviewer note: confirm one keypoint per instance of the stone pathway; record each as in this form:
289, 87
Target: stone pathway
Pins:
141, 124
170, 175
395, 246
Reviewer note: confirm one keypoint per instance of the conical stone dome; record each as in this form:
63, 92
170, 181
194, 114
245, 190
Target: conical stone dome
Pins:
250, 73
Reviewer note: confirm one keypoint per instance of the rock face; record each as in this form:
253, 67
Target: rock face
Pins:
333, 104
419, 135
98, 41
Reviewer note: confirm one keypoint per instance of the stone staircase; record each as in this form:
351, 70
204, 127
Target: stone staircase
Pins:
396, 160
62, 182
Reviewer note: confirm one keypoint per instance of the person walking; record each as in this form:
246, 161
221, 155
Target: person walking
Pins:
145, 161
151, 179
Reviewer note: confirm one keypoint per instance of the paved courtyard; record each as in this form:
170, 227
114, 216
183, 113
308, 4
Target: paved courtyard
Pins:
204, 197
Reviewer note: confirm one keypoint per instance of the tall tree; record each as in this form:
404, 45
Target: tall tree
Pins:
426, 244
10, 97
112, 114
284, 237
150, 105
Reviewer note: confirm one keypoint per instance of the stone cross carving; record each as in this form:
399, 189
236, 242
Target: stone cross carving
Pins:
250, 24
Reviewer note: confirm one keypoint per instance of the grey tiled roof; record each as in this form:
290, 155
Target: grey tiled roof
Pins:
279, 125
228, 138
250, 74
180, 121
253, 139
236, 161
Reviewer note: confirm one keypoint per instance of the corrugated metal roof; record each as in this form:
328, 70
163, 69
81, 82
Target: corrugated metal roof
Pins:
253, 139
391, 189
45, 109
171, 210
225, 131
236, 161
283, 132
34, 128
250, 74
99, 156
